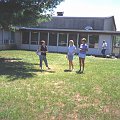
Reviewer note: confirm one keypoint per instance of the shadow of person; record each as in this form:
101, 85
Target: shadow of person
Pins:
49, 71
79, 72
67, 70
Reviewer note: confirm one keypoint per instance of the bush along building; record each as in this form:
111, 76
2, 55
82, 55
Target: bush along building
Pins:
60, 29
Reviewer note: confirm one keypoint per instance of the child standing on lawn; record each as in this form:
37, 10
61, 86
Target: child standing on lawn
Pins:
70, 54
82, 54
43, 50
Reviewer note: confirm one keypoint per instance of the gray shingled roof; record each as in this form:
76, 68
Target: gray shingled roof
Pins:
79, 23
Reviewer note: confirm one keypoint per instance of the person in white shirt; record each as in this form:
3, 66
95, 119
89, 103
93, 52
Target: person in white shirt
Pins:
70, 54
104, 47
82, 54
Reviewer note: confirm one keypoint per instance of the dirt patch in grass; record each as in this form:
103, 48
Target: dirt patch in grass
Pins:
79, 98
108, 109
84, 101
97, 89
59, 84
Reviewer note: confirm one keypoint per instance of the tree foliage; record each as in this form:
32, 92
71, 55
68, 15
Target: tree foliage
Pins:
25, 12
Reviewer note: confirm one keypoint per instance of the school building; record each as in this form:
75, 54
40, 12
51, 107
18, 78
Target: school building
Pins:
60, 29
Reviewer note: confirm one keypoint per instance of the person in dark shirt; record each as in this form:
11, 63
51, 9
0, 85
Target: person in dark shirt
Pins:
43, 50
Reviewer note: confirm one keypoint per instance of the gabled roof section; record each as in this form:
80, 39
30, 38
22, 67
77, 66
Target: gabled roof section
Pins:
109, 23
80, 23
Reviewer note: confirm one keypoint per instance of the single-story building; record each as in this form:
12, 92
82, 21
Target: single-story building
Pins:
59, 30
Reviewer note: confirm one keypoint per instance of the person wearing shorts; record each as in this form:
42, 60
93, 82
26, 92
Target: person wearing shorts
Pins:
70, 54
82, 54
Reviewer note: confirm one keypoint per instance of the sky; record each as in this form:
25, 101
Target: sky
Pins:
91, 8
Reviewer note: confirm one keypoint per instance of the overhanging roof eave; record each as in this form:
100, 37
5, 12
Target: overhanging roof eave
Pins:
71, 30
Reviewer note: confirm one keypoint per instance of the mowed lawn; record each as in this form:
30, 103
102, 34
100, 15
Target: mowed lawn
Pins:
26, 93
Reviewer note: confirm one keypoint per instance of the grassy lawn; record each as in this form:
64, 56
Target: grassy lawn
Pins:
28, 94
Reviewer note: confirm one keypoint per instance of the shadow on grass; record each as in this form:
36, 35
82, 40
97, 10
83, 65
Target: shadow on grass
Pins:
16, 69
67, 70
79, 72
49, 71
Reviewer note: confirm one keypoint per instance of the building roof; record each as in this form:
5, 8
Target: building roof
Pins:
80, 23
70, 30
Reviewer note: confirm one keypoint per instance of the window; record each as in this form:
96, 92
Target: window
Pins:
44, 36
7, 37
82, 35
25, 37
116, 45
53, 39
93, 41
12, 37
34, 38
116, 41
73, 37
62, 39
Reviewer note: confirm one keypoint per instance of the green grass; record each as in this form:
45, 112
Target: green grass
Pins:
28, 94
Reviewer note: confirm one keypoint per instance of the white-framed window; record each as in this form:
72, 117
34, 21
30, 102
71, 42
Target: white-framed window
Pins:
44, 36
25, 37
12, 37
34, 37
62, 39
53, 38
73, 36
82, 35
93, 41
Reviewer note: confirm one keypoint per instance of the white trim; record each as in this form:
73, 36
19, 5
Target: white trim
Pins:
48, 39
77, 40
67, 38
57, 40
3, 36
38, 38
29, 39
88, 40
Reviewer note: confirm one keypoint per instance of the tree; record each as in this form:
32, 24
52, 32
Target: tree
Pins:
25, 12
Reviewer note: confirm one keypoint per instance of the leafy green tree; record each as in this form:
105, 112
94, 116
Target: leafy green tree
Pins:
25, 12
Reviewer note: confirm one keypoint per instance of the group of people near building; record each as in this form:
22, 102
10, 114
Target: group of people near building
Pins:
42, 50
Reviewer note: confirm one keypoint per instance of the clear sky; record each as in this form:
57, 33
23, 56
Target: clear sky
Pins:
91, 8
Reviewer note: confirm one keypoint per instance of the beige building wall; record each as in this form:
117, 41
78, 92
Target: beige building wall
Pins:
108, 39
